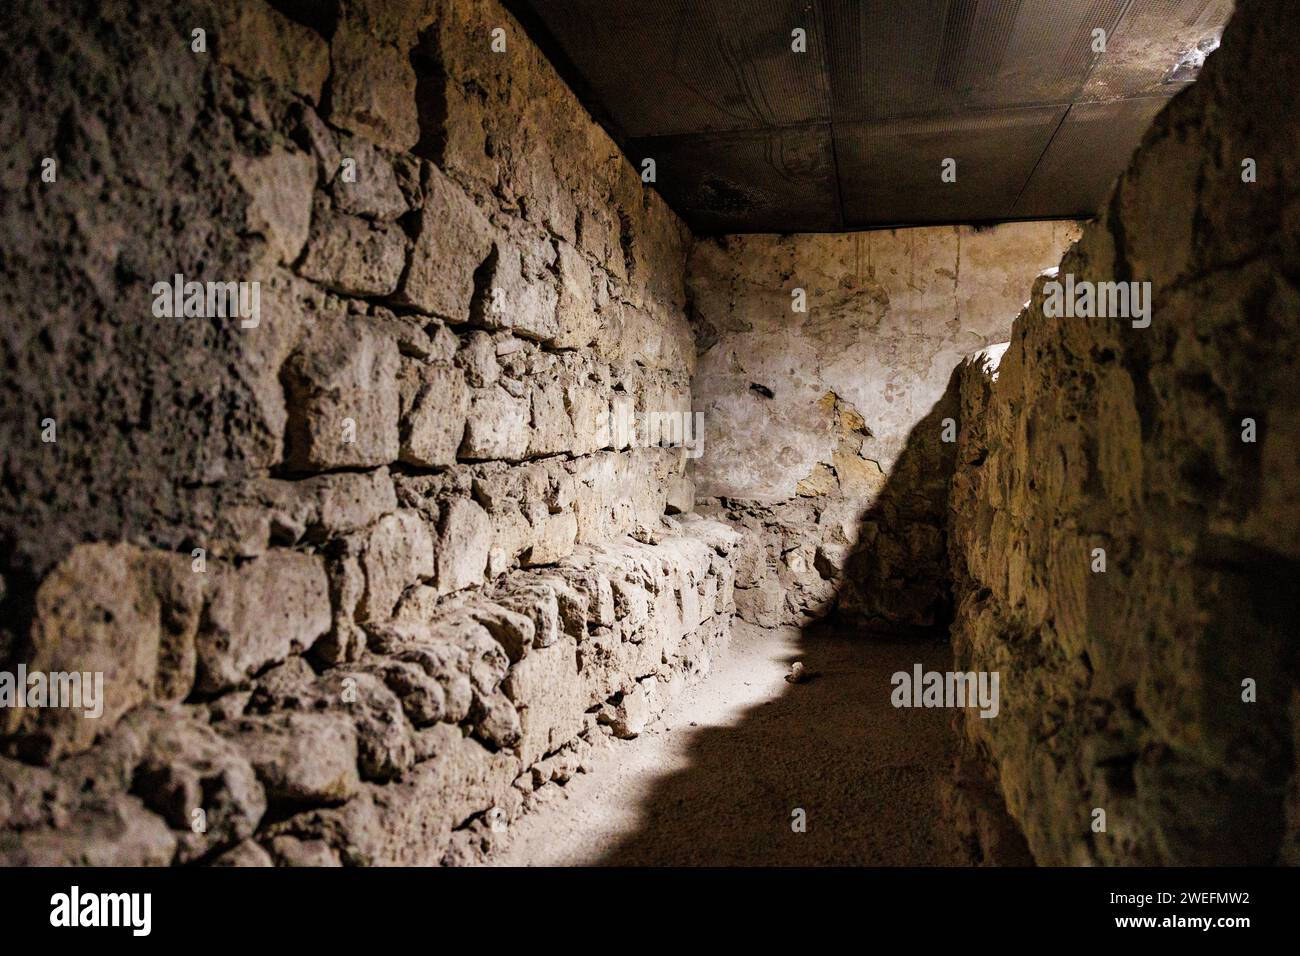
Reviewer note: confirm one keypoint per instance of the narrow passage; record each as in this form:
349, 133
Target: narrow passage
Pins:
717, 778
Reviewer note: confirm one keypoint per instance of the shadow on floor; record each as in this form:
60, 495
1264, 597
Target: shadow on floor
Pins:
868, 777
879, 785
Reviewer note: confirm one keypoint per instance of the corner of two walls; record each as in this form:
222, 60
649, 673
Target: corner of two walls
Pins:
1125, 522
826, 382
364, 566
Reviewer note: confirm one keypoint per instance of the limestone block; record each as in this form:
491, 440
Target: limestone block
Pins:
453, 241
435, 404
535, 598
576, 313
554, 536
520, 292
423, 699
351, 255
513, 630
313, 135
464, 539
116, 611
280, 187
478, 357
385, 744
762, 605
630, 715
301, 758
546, 690
345, 502
681, 495
247, 853
587, 408
399, 22
187, 767
116, 831
254, 38
409, 822
365, 184
372, 88
260, 612
497, 427
398, 553
343, 399
496, 720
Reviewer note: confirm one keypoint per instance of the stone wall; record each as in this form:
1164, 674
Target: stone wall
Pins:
365, 566
823, 426
1161, 688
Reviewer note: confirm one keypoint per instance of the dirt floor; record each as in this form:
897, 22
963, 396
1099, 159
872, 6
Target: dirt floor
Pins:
717, 778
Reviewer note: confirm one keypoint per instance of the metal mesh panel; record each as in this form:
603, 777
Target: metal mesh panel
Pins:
890, 172
748, 181
1106, 134
1148, 43
750, 136
945, 56
677, 66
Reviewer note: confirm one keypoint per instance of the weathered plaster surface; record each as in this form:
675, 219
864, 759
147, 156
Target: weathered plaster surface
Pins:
889, 315
824, 429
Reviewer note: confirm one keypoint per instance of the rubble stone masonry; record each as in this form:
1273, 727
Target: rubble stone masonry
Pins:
1125, 533
364, 572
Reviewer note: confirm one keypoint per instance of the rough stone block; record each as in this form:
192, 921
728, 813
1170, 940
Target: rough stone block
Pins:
454, 240
398, 553
554, 537
762, 605
116, 831
464, 539
365, 184
113, 610
535, 598
301, 758
520, 292
372, 88
497, 426
579, 322
548, 693
681, 495
478, 357
258, 41
435, 405
343, 398
353, 256
188, 767
511, 629
552, 430
260, 612
280, 187
628, 718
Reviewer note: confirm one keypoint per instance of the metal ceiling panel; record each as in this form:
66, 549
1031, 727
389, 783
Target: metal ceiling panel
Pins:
880, 54
751, 136
945, 56
748, 180
1153, 37
679, 66
890, 172
1106, 133
1045, 55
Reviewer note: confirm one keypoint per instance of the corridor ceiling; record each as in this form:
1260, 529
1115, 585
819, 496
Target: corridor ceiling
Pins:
750, 136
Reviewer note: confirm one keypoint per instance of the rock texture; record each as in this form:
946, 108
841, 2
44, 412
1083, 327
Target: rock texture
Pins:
824, 428
365, 569
1161, 691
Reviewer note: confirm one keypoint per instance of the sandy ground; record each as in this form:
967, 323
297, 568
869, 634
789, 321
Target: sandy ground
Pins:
716, 779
